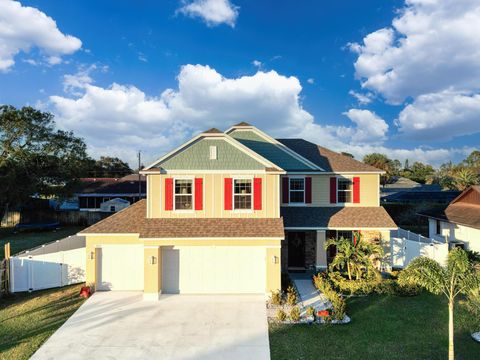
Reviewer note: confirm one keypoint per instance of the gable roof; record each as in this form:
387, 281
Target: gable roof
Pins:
271, 149
133, 220
463, 210
212, 134
327, 159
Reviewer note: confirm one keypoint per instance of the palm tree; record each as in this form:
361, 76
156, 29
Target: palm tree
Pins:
457, 277
355, 255
464, 178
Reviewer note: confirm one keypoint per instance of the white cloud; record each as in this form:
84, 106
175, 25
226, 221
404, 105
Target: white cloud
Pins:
213, 12
257, 63
363, 99
441, 116
311, 81
121, 119
429, 56
23, 28
370, 128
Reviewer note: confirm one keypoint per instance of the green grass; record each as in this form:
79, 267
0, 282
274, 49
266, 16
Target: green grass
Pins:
28, 320
382, 327
27, 240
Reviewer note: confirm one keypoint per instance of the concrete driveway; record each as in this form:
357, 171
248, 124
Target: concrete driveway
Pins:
121, 325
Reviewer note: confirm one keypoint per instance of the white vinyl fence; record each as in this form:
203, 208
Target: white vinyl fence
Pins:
406, 246
51, 265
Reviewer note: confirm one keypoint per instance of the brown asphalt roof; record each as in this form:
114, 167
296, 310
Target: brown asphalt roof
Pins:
337, 217
243, 123
133, 220
212, 131
327, 159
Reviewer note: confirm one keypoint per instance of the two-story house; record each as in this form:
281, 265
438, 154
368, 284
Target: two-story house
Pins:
459, 222
227, 212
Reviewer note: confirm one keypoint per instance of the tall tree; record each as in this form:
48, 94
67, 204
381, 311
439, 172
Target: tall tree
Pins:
35, 157
108, 166
458, 277
382, 162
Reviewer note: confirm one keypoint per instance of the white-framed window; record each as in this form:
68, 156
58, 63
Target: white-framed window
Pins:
296, 190
344, 190
242, 194
213, 152
183, 194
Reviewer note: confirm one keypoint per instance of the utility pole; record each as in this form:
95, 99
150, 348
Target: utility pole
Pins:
139, 176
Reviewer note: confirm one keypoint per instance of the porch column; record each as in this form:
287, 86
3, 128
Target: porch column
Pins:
321, 261
152, 287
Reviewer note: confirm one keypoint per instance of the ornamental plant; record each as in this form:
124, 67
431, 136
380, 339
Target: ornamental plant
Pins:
295, 314
281, 316
291, 296
458, 277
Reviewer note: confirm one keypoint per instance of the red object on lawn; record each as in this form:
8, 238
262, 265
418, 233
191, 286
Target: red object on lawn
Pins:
322, 313
85, 292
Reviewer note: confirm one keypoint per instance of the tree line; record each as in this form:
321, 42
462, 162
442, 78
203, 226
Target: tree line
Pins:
37, 158
449, 176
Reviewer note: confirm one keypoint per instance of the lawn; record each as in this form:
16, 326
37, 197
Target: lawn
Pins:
27, 320
27, 240
382, 327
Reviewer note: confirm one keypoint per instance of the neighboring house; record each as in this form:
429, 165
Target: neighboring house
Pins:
114, 205
459, 223
95, 191
228, 212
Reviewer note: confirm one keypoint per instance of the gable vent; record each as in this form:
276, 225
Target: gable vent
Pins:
213, 152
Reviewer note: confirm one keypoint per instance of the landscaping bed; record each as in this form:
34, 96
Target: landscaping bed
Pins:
382, 327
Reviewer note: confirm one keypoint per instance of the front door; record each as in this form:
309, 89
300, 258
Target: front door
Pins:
296, 249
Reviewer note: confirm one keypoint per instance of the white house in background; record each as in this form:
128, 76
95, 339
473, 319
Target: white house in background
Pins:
459, 223
114, 205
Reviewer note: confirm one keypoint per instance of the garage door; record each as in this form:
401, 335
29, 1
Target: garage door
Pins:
120, 267
213, 270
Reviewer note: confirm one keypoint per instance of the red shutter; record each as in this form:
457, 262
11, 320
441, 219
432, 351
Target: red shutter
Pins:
285, 190
199, 194
308, 190
356, 190
333, 190
228, 193
169, 194
257, 194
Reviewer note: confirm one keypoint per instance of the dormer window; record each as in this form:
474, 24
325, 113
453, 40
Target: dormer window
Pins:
297, 190
183, 194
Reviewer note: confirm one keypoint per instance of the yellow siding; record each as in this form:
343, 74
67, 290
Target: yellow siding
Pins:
274, 278
228, 242
152, 272
213, 197
369, 190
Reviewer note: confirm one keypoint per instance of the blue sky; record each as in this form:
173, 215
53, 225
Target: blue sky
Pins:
353, 76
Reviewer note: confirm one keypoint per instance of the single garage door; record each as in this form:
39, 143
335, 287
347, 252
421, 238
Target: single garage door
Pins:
213, 270
120, 267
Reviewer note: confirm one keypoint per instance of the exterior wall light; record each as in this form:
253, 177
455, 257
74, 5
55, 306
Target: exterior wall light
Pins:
152, 260
92, 255
274, 259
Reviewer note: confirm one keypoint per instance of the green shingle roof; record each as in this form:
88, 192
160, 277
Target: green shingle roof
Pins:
269, 151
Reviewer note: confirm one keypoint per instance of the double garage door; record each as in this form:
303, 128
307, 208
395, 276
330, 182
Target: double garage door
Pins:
187, 269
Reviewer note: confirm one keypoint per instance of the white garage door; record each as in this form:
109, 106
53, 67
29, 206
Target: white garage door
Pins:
120, 267
213, 270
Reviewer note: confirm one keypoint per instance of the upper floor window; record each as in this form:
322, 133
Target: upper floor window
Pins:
242, 194
297, 190
183, 194
344, 190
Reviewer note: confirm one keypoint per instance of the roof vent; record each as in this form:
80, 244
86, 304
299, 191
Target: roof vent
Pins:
213, 152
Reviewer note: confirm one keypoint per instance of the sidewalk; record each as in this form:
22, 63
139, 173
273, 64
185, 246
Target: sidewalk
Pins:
309, 295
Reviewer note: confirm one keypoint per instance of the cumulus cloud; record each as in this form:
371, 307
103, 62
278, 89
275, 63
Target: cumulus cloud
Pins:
429, 56
23, 28
311, 81
370, 128
441, 115
212, 12
257, 63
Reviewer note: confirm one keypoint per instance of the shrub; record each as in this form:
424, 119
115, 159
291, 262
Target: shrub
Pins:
291, 296
276, 298
295, 314
339, 305
281, 316
386, 287
355, 287
310, 311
